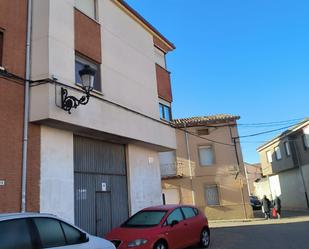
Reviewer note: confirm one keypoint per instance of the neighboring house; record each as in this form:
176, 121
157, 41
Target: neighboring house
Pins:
204, 169
13, 26
285, 162
99, 164
253, 174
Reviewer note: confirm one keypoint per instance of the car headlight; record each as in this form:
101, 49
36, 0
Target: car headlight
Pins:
137, 242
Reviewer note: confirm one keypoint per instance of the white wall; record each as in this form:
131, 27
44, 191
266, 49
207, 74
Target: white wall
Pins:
144, 178
292, 190
159, 57
57, 173
128, 63
262, 188
127, 70
53, 40
288, 186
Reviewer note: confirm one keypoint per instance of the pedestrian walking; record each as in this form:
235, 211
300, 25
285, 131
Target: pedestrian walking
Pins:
277, 206
266, 207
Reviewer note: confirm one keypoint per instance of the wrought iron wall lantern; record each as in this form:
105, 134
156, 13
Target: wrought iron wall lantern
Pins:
87, 77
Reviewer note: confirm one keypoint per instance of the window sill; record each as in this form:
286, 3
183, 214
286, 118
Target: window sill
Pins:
165, 121
93, 91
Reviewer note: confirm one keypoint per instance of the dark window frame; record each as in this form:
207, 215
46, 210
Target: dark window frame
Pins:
287, 152
205, 195
161, 108
276, 156
305, 144
80, 59
1, 46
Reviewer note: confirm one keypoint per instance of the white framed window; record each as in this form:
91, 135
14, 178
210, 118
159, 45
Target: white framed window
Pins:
269, 156
88, 7
206, 155
306, 141
287, 148
80, 62
212, 195
278, 153
165, 112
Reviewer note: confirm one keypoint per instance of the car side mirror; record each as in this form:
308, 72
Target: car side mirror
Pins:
84, 237
174, 222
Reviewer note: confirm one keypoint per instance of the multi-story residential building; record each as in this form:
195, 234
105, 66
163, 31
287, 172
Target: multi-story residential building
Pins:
253, 173
207, 168
99, 163
285, 162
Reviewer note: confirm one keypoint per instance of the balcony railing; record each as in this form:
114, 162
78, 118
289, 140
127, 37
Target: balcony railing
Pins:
172, 169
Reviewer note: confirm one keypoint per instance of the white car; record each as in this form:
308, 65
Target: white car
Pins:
39, 231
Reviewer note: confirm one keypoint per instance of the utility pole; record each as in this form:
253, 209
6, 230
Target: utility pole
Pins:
238, 171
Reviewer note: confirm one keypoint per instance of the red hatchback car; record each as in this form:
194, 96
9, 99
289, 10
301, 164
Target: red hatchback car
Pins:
162, 227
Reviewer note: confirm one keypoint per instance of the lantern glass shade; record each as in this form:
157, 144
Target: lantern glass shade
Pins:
87, 77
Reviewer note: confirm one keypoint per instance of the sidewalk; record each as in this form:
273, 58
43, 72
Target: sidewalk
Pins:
287, 217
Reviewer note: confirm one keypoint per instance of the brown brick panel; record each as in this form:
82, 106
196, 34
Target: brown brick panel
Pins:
87, 36
13, 24
13, 21
11, 132
164, 83
33, 168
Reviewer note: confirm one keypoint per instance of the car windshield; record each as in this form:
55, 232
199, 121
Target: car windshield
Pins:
147, 218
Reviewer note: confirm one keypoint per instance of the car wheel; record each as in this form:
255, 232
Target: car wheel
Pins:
160, 245
205, 238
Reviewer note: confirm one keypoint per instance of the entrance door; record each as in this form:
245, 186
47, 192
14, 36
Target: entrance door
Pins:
103, 213
100, 182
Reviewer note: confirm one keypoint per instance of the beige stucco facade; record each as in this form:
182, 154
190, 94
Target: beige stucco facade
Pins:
253, 173
191, 179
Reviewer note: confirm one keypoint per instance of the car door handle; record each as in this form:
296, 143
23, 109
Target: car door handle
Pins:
186, 224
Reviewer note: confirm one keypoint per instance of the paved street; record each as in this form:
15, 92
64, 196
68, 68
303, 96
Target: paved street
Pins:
287, 233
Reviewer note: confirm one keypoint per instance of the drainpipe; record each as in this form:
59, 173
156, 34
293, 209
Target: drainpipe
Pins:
26, 110
190, 166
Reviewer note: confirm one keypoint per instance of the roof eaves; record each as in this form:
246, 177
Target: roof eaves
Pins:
284, 134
